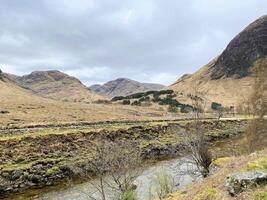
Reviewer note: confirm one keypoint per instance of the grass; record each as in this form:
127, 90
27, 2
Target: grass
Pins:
52, 170
75, 130
260, 195
260, 164
220, 162
28, 165
208, 194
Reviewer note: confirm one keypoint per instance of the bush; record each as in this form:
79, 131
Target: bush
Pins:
161, 92
136, 103
216, 106
260, 196
101, 101
185, 109
126, 102
164, 185
172, 109
117, 98
136, 95
129, 195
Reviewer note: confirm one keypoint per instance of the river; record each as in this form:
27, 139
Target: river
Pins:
175, 168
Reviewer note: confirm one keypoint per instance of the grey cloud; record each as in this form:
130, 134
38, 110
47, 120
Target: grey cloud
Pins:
99, 40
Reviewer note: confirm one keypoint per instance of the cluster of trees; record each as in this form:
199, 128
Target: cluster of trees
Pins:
143, 95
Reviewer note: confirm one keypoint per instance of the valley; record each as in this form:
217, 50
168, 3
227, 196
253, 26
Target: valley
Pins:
201, 137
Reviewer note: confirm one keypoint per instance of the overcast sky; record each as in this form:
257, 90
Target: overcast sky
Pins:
100, 40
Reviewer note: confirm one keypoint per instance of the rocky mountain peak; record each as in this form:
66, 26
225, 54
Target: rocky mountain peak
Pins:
242, 51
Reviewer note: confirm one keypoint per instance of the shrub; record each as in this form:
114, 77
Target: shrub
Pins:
136, 95
129, 195
216, 106
260, 196
136, 103
126, 102
172, 109
152, 92
164, 185
117, 98
102, 101
4, 112
186, 108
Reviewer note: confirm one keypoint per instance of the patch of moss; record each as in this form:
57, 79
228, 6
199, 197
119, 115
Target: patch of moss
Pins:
260, 196
52, 170
220, 162
207, 194
18, 166
260, 164
25, 166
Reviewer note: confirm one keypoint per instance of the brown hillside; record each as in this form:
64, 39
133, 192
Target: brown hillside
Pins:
21, 106
228, 78
55, 85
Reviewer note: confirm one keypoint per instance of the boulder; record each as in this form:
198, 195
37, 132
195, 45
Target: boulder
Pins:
238, 182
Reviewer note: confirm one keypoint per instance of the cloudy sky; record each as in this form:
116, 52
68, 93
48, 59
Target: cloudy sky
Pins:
100, 40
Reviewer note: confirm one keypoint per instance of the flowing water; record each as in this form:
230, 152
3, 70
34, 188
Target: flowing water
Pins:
146, 184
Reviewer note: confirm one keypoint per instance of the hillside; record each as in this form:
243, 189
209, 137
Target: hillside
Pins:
228, 78
55, 85
124, 87
20, 106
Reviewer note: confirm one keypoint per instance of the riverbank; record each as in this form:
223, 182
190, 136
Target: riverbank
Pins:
39, 158
213, 187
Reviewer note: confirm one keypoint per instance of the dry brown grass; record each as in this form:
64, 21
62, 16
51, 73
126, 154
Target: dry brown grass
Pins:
24, 107
228, 91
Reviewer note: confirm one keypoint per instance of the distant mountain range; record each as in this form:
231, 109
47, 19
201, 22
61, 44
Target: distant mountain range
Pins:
228, 78
55, 85
60, 86
124, 87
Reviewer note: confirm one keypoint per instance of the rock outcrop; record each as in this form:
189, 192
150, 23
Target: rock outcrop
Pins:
241, 181
228, 78
247, 47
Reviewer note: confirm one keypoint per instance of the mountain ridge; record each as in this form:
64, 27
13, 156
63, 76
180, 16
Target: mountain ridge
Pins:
228, 78
56, 85
124, 87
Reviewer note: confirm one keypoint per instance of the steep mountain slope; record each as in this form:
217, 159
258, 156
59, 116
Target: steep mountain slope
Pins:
228, 78
124, 87
55, 85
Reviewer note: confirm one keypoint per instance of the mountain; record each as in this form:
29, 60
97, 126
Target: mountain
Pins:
55, 85
124, 87
228, 78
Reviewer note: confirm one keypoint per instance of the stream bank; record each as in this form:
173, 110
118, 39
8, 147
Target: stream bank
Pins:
42, 160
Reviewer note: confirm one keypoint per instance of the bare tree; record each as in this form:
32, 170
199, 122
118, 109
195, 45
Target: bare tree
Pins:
194, 136
257, 102
116, 166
